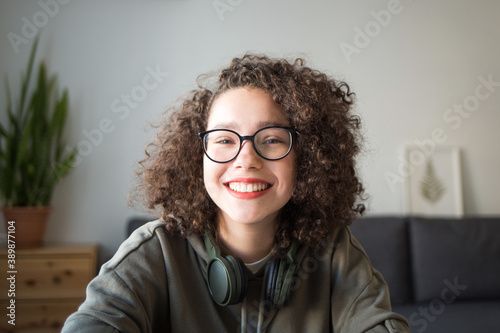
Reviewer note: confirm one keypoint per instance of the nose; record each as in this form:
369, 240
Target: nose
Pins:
248, 157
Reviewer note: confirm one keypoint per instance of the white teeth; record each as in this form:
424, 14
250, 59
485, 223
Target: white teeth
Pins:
244, 187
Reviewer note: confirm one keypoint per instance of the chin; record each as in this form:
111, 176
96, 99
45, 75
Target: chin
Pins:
245, 218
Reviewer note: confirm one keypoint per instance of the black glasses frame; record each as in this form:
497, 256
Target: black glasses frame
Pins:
291, 130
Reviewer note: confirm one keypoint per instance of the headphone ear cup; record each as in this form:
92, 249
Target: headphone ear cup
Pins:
272, 275
221, 280
241, 279
280, 274
226, 277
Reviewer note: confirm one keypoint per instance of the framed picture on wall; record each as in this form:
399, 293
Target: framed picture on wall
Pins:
433, 186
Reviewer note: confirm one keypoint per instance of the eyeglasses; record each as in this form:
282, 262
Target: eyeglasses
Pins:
271, 143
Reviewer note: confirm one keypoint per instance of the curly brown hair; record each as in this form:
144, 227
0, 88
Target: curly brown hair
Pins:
327, 193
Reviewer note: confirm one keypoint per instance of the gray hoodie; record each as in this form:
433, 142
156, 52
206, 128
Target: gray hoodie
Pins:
156, 283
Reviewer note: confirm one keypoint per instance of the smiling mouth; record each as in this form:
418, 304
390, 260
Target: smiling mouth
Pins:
248, 187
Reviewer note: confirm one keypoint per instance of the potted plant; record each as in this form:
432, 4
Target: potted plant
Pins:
32, 157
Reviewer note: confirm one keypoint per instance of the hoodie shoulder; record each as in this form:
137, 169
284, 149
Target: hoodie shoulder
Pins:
143, 238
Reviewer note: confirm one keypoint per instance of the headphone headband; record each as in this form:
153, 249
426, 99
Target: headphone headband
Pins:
212, 249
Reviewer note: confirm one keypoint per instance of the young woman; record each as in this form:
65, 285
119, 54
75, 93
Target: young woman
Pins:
256, 183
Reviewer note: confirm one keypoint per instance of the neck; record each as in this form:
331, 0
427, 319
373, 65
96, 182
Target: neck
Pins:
249, 242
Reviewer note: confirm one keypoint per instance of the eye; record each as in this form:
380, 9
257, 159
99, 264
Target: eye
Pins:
223, 140
272, 140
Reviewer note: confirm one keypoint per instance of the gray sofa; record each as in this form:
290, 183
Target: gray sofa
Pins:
443, 274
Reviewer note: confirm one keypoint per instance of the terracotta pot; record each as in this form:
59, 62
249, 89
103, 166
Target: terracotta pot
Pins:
30, 223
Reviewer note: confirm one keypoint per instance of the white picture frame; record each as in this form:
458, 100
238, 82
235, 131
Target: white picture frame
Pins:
433, 186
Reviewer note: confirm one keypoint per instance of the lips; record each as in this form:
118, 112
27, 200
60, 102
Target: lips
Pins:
247, 188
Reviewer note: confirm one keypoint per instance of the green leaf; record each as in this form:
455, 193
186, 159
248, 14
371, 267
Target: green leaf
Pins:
60, 169
26, 80
3, 131
58, 122
9, 104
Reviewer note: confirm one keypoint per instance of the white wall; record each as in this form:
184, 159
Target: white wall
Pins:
415, 67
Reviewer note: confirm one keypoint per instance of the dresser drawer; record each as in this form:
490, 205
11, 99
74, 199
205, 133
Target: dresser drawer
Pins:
41, 316
51, 272
50, 278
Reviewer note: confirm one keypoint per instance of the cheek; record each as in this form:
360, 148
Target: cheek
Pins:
211, 175
288, 174
292, 181
292, 170
206, 174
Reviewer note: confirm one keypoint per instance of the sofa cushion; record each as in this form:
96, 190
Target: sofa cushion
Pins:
385, 240
135, 222
439, 317
455, 257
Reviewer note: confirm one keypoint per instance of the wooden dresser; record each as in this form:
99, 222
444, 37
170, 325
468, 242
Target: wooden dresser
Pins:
49, 285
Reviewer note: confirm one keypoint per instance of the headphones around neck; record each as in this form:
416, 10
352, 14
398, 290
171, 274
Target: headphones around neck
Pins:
227, 277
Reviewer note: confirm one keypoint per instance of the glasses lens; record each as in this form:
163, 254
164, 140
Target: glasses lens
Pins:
273, 143
221, 145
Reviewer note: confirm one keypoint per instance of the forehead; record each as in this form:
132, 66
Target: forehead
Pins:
245, 109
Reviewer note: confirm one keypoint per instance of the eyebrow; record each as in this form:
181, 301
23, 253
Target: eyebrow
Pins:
234, 126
